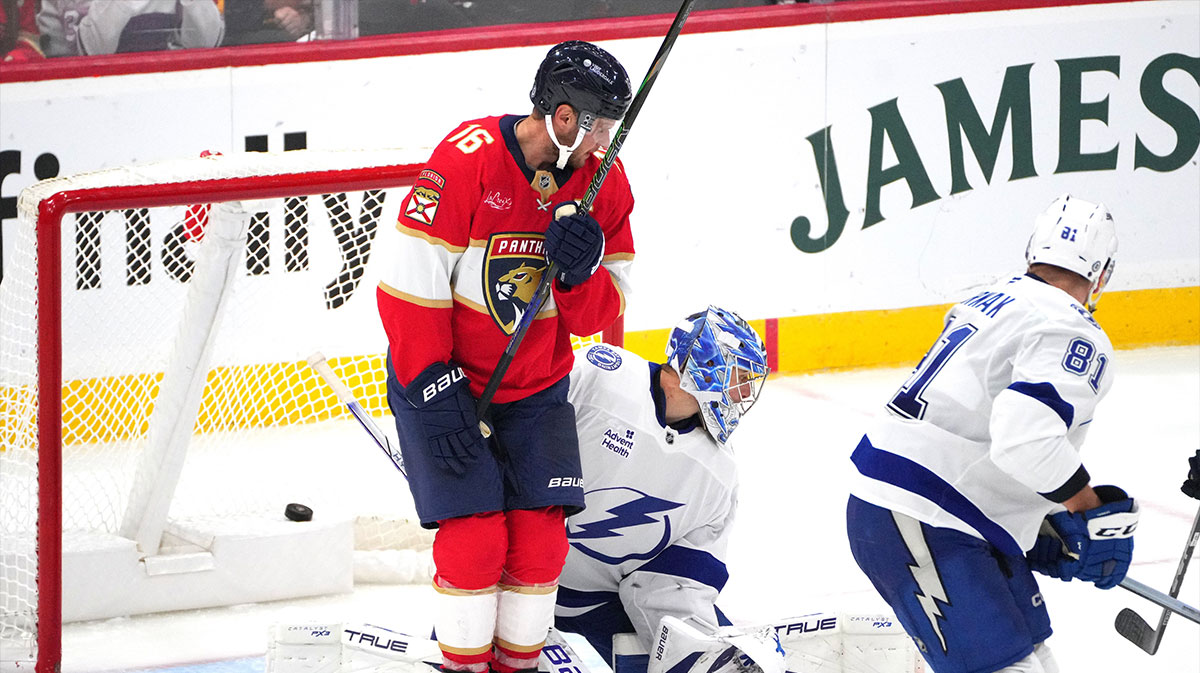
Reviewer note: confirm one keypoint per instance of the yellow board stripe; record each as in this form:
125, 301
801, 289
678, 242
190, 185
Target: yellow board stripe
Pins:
896, 337
112, 408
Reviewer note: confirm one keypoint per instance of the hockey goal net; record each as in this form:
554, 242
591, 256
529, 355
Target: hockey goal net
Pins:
157, 413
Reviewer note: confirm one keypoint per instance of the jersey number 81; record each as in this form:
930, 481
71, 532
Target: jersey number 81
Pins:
1078, 361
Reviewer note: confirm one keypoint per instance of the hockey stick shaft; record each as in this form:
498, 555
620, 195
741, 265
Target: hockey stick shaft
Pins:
1131, 625
1162, 600
1186, 558
610, 156
317, 362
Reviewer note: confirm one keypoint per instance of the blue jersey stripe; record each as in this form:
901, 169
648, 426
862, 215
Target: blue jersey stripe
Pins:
1047, 395
574, 598
686, 663
910, 476
693, 564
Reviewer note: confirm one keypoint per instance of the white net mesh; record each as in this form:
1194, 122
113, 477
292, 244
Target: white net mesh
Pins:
18, 447
265, 431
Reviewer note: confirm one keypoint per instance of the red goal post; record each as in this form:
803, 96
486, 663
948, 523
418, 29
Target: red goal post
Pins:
152, 363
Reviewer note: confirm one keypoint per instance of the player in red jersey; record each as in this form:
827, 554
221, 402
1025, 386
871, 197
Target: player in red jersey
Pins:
494, 204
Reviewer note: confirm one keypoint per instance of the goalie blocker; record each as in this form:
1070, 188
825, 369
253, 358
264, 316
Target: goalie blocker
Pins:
861, 643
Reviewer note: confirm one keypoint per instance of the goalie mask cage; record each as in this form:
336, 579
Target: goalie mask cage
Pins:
156, 410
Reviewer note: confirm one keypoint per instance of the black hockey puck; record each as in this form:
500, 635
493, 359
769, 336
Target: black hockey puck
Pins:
297, 512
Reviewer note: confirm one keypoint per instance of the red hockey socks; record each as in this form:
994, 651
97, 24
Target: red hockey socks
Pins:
469, 554
537, 548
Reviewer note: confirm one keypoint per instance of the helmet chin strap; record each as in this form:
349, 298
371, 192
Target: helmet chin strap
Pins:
564, 152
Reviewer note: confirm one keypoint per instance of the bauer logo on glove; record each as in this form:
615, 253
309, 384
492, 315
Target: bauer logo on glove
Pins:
441, 383
446, 412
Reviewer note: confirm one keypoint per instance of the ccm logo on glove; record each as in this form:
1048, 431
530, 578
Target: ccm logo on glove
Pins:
1097, 531
441, 383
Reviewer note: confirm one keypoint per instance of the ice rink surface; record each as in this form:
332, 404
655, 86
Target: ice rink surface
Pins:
789, 554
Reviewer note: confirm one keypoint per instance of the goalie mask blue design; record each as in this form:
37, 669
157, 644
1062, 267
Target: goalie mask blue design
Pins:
722, 362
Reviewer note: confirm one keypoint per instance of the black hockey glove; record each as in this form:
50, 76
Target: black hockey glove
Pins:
575, 242
447, 412
1191, 486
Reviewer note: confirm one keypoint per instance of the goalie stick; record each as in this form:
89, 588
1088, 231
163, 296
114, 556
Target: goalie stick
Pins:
610, 155
317, 362
1131, 625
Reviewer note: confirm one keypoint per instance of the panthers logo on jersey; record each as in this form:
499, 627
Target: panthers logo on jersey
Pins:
511, 273
621, 524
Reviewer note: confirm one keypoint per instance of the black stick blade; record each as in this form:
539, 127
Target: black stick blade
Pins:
1135, 629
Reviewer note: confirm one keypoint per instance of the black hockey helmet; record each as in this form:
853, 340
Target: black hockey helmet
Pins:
584, 76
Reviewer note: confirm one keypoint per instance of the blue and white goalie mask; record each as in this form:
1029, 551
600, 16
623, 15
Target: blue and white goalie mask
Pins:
722, 362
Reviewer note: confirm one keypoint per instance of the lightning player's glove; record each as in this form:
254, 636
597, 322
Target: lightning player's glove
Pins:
1191, 486
575, 242
1048, 555
447, 412
1094, 546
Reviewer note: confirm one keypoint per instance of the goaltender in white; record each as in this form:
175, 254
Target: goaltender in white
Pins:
647, 557
660, 479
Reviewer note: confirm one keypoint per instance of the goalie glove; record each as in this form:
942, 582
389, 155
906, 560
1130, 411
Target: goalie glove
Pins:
1094, 546
447, 412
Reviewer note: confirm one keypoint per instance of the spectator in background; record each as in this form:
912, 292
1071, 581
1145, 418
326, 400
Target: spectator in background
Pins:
83, 27
263, 21
18, 31
387, 17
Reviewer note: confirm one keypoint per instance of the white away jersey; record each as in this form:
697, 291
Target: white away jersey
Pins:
659, 502
984, 436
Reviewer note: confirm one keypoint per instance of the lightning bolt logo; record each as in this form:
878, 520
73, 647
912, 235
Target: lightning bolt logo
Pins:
924, 572
631, 515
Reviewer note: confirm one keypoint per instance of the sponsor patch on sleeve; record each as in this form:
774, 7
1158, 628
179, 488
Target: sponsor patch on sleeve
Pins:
422, 205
